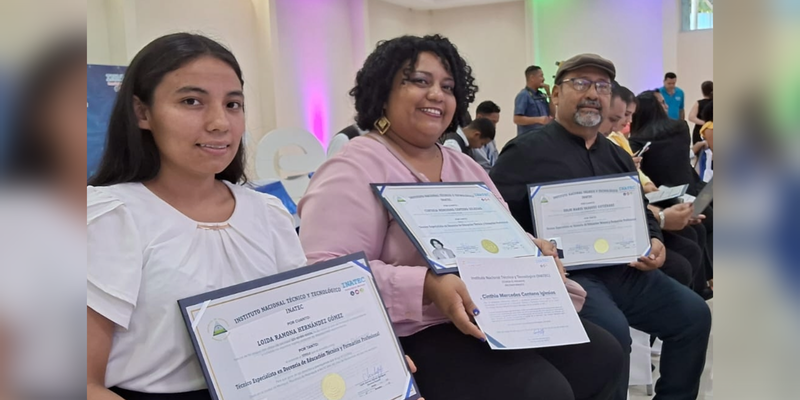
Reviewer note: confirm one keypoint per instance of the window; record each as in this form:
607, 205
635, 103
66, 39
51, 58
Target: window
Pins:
697, 14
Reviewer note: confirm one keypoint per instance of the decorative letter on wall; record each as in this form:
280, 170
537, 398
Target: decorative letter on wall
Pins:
289, 155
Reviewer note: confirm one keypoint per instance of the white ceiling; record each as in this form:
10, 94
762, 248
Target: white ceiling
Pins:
441, 4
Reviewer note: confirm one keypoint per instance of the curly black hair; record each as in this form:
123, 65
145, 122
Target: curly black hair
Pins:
374, 80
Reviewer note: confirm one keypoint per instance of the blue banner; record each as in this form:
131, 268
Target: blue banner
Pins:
102, 85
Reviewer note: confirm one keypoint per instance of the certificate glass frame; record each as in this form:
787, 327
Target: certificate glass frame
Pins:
703, 199
477, 222
266, 325
590, 237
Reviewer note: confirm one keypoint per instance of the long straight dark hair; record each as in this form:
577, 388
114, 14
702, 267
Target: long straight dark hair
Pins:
131, 154
649, 113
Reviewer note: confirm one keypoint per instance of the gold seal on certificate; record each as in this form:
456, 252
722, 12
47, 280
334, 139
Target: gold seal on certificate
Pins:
489, 246
601, 246
333, 387
315, 333
446, 221
599, 221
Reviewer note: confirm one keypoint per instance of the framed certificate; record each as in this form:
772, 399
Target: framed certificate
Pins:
315, 333
593, 222
450, 220
703, 199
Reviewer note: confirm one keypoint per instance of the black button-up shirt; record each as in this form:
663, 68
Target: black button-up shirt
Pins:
554, 154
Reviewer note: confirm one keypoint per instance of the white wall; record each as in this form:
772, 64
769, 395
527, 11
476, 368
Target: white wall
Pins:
316, 64
695, 63
232, 25
274, 39
98, 50
387, 21
627, 32
492, 40
690, 54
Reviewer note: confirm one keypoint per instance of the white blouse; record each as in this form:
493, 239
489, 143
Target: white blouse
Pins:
144, 255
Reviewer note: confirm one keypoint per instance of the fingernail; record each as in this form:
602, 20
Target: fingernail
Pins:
475, 312
483, 339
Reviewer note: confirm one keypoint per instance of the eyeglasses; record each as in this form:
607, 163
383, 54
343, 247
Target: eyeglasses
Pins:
582, 85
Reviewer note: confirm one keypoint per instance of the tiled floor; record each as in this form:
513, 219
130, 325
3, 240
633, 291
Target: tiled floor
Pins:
706, 387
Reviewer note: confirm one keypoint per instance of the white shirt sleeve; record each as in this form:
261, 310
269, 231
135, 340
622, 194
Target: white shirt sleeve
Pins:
451, 143
336, 144
114, 257
289, 253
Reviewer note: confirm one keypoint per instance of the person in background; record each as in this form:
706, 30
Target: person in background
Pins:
617, 122
532, 110
660, 97
474, 136
412, 89
673, 96
168, 218
667, 160
621, 296
684, 256
668, 163
695, 113
707, 131
486, 156
340, 139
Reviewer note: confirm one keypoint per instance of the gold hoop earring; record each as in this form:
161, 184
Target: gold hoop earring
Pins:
382, 125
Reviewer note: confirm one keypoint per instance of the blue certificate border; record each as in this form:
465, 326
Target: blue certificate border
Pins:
634, 176
360, 259
434, 266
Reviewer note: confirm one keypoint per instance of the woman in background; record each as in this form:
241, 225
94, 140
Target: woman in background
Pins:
707, 131
411, 90
168, 219
668, 163
696, 113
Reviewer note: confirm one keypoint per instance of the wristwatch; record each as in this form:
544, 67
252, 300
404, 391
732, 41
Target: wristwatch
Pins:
661, 219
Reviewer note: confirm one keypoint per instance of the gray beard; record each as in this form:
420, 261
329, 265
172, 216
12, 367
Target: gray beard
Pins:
588, 120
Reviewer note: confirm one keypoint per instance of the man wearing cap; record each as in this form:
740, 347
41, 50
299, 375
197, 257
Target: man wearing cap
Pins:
636, 295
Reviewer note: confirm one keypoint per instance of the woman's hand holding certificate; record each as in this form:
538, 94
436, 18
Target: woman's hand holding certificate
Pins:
449, 294
549, 249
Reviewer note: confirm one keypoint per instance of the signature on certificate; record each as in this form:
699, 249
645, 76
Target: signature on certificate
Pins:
372, 373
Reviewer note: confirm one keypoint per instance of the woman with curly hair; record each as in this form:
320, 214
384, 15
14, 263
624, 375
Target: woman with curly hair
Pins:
410, 91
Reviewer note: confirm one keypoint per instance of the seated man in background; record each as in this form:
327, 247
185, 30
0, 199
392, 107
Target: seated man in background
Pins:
621, 296
486, 156
477, 134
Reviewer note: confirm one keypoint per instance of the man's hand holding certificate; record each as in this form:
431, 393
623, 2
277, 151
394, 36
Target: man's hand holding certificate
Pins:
319, 332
